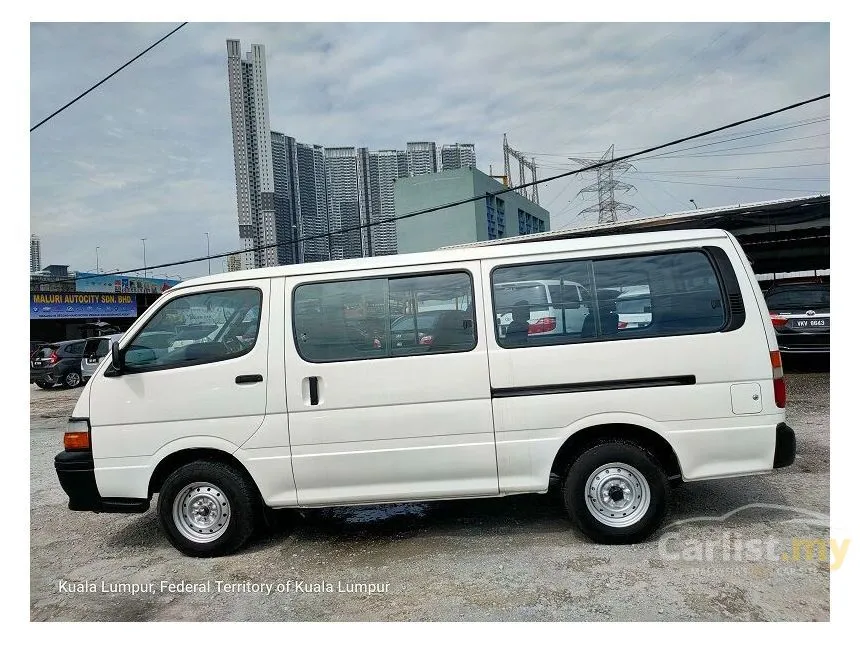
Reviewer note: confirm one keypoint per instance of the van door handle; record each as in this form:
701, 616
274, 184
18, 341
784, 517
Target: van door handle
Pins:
314, 390
249, 378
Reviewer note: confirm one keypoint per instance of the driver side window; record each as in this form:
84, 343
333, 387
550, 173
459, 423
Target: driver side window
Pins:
198, 328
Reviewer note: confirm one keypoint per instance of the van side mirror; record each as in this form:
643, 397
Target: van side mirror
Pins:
116, 358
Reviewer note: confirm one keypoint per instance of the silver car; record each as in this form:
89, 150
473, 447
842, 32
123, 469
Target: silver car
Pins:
95, 350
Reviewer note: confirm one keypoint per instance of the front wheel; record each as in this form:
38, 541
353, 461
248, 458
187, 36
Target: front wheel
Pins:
72, 380
207, 509
616, 492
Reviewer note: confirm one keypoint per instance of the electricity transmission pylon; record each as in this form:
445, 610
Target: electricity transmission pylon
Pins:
607, 208
524, 164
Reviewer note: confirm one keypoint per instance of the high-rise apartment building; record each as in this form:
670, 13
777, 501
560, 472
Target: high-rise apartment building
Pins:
384, 168
314, 240
458, 155
294, 198
35, 253
234, 262
421, 157
252, 154
286, 197
346, 205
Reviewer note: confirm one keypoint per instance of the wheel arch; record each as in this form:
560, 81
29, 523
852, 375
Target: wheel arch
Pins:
179, 458
583, 439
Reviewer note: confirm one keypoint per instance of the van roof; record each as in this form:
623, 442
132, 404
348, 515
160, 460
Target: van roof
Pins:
461, 254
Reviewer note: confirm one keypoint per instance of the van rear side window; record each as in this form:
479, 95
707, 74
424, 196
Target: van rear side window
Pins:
384, 317
663, 294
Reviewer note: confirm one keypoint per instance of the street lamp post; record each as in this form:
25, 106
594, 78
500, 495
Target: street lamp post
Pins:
97, 259
143, 239
208, 259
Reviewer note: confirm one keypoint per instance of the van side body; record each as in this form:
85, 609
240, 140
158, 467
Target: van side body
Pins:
694, 385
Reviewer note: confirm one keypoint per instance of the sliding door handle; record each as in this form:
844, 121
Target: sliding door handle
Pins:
249, 378
314, 390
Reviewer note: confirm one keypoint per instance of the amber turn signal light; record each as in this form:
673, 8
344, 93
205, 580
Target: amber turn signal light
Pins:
76, 441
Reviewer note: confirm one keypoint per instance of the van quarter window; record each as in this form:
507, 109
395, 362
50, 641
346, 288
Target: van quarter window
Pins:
666, 294
195, 329
384, 317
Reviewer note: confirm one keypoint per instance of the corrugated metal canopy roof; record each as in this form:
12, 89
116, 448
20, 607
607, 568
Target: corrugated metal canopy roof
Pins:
790, 234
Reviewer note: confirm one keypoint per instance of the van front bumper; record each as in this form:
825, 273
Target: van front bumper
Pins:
76, 472
786, 446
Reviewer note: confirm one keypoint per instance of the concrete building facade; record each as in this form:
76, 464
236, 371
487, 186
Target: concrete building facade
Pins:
252, 154
458, 155
35, 253
345, 204
421, 157
293, 198
284, 168
385, 167
492, 217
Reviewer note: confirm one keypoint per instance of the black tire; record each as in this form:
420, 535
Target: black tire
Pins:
45, 386
72, 379
241, 497
579, 477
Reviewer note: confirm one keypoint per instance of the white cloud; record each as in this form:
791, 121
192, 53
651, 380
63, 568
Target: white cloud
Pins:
149, 153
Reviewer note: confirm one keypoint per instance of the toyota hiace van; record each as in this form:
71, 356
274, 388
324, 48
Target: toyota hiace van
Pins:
299, 398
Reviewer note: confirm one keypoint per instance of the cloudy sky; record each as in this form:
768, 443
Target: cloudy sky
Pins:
149, 153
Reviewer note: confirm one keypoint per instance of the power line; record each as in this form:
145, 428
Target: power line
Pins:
692, 183
751, 145
754, 145
108, 77
674, 172
469, 200
745, 134
708, 176
708, 155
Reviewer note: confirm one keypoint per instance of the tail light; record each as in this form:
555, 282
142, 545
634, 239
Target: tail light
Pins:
779, 394
778, 321
542, 325
53, 358
77, 436
425, 340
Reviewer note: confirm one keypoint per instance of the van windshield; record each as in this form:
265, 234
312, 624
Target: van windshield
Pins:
508, 294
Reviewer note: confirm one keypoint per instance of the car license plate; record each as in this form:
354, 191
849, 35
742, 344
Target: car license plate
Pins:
819, 323
92, 360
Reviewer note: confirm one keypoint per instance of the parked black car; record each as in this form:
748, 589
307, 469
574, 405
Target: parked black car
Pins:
800, 313
57, 363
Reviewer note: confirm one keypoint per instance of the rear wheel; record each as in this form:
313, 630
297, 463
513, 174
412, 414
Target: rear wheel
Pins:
207, 509
44, 385
616, 492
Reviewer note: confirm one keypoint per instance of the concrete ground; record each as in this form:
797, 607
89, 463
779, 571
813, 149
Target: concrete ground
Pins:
515, 558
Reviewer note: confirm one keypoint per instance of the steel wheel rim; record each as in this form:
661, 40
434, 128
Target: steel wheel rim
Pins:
617, 495
72, 379
201, 512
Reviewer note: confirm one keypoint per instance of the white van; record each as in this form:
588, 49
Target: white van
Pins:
301, 399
